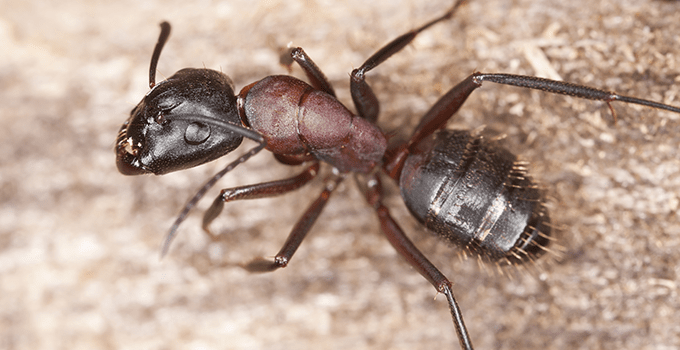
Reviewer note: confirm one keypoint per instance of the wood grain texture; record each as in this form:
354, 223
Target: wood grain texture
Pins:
79, 242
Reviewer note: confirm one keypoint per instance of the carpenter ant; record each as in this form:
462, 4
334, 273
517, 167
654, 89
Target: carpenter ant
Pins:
469, 191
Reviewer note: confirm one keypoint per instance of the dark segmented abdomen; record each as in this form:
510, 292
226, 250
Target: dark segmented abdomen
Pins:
476, 195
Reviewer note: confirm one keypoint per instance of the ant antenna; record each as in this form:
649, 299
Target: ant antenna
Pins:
162, 38
248, 133
209, 184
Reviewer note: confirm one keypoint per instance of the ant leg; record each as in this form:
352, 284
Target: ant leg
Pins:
261, 190
210, 183
433, 120
364, 99
396, 236
440, 113
299, 231
447, 105
571, 89
313, 72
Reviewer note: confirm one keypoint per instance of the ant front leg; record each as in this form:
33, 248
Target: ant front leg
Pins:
364, 99
299, 232
396, 236
313, 72
261, 190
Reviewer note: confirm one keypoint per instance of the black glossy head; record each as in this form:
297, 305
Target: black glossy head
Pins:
179, 124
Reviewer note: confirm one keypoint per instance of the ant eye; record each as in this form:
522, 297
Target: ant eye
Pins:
196, 133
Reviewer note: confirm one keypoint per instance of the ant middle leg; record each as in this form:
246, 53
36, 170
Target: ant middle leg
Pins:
299, 231
365, 101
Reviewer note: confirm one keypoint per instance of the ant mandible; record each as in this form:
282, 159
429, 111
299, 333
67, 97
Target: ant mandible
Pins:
469, 191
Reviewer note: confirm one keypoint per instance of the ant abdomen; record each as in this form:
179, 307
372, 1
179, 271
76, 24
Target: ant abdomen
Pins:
476, 194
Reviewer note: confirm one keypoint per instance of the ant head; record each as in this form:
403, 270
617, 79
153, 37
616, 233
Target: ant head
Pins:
179, 124
182, 122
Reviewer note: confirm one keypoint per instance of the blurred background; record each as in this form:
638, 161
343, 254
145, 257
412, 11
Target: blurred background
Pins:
79, 243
